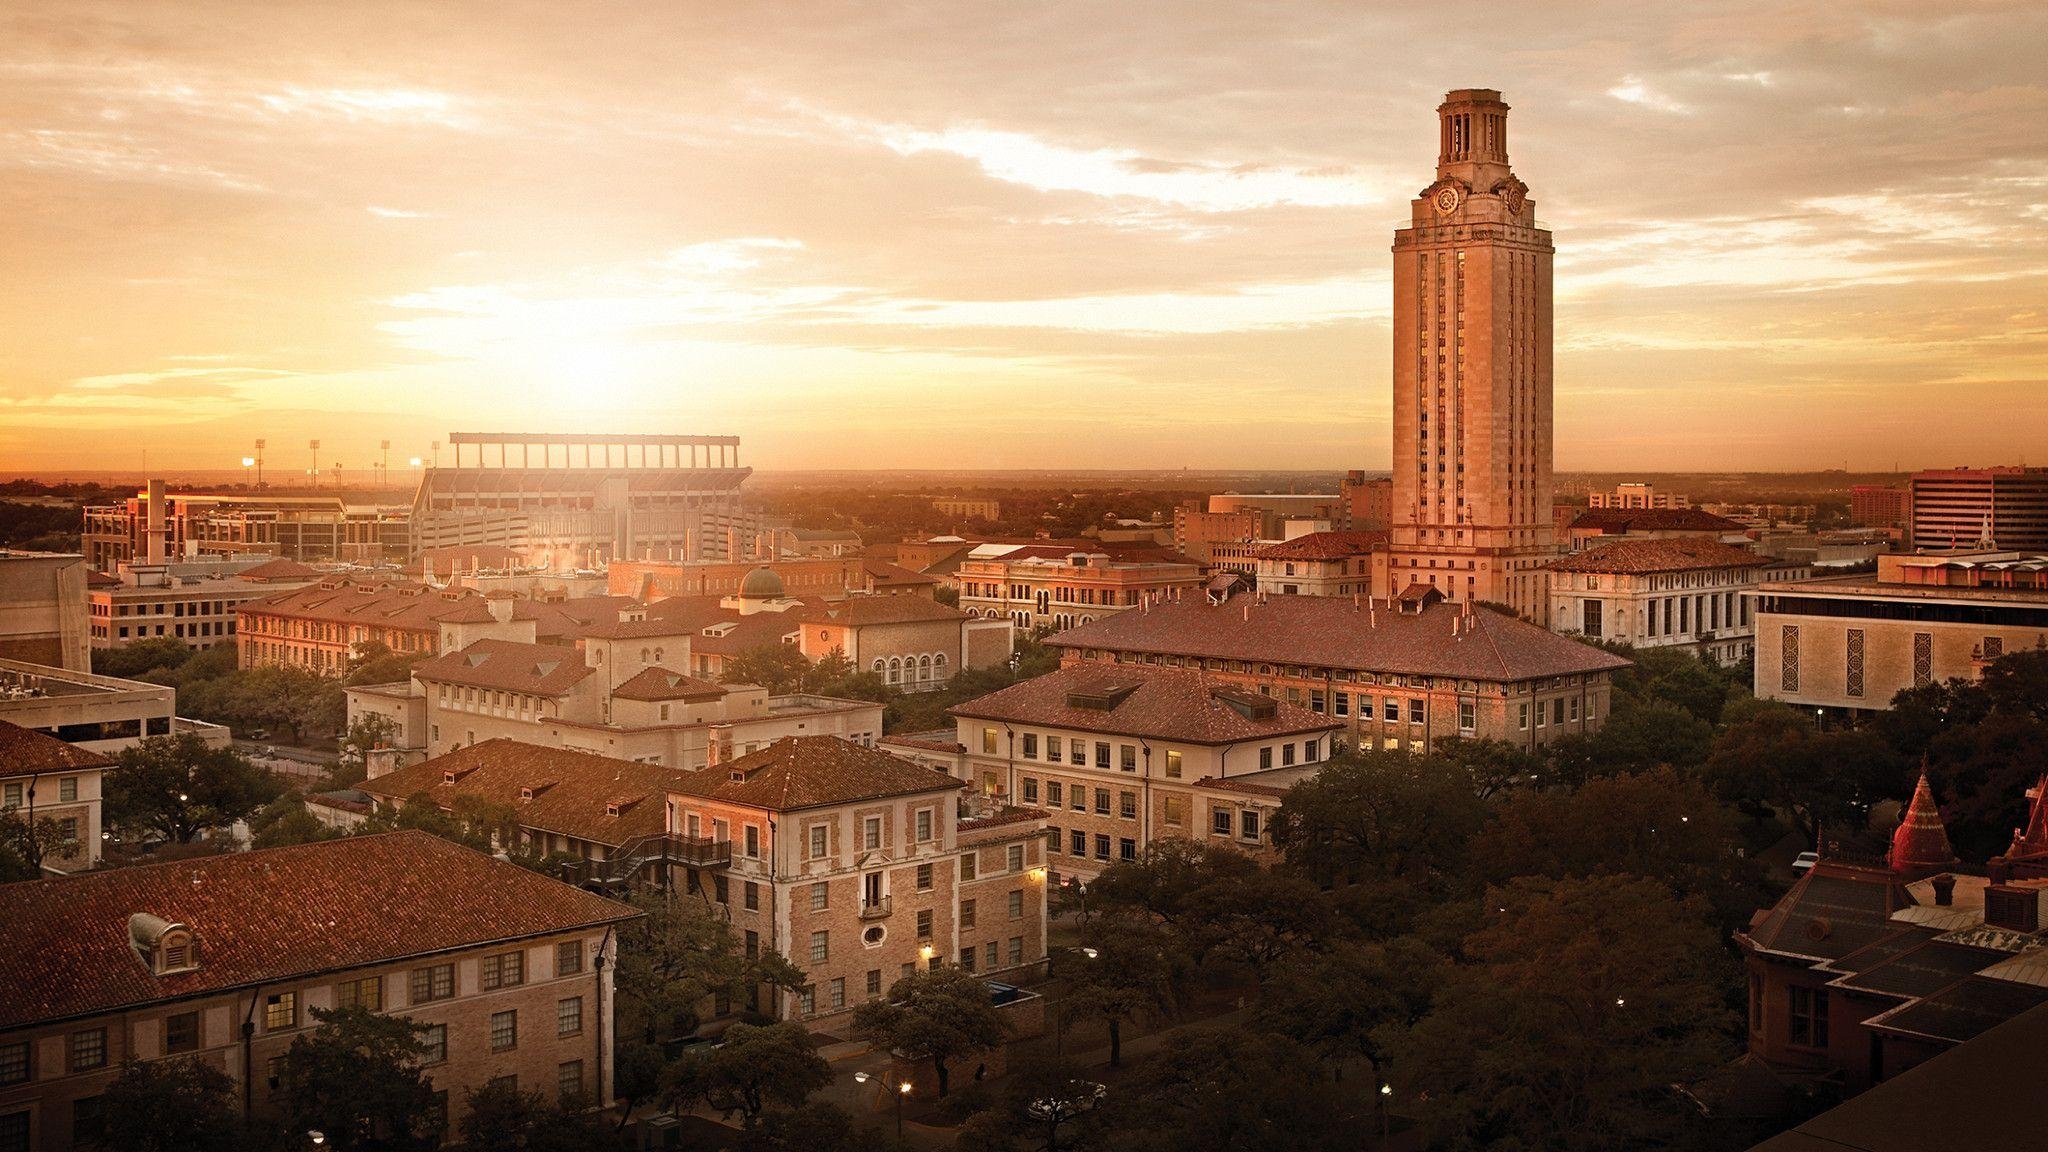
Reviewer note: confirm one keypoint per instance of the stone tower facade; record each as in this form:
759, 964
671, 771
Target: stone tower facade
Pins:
1472, 376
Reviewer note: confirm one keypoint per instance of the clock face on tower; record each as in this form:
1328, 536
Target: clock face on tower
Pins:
1446, 200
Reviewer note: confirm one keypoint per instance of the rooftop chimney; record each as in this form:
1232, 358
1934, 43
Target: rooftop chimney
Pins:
1944, 889
153, 542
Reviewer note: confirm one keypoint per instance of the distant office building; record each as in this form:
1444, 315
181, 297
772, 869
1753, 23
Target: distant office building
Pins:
1853, 642
156, 526
1637, 496
967, 509
194, 601
2005, 508
1693, 595
1400, 674
1041, 587
43, 617
1878, 505
823, 578
1368, 503
1324, 564
1199, 532
226, 959
572, 501
1472, 400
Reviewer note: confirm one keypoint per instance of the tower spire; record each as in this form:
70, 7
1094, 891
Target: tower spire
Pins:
1921, 842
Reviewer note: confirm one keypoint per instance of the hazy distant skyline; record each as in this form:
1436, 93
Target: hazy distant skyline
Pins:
1037, 235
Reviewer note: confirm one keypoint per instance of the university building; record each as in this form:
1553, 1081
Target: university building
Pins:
1853, 642
44, 778
224, 959
1472, 373
1037, 587
1395, 673
1694, 595
1324, 564
197, 602
1118, 756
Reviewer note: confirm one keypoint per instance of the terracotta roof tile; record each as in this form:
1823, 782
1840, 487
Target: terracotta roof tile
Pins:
278, 571
662, 684
1637, 557
888, 575
268, 917
1323, 546
570, 788
811, 771
25, 752
721, 631
1332, 632
1147, 702
508, 665
858, 611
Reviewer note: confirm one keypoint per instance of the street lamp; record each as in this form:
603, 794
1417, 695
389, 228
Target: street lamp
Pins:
902, 1091
1386, 1092
316, 1136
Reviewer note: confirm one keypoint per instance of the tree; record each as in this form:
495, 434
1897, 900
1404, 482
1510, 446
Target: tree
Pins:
133, 661
1985, 742
939, 1014
1636, 737
1134, 971
370, 731
1044, 1105
1378, 813
502, 1118
636, 1074
1172, 880
1775, 754
357, 1078
32, 840
1491, 765
178, 786
814, 1127
1579, 1003
950, 597
779, 668
373, 662
750, 1071
677, 956
1227, 1090
285, 821
169, 1106
1351, 1001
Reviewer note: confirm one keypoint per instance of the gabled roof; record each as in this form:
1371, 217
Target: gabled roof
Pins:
884, 574
662, 684
1831, 911
279, 571
267, 917
810, 772
25, 752
1639, 557
571, 789
859, 611
635, 630
720, 631
1324, 546
508, 665
1144, 702
1334, 632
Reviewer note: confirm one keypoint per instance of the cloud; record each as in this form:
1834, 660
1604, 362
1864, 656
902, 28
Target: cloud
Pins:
1632, 90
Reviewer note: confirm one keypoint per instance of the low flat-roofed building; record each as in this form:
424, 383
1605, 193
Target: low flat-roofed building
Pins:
1853, 642
1690, 594
1119, 756
98, 713
44, 778
1397, 674
195, 601
43, 616
511, 970
860, 868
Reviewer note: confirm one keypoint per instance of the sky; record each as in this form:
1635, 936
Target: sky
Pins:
1027, 234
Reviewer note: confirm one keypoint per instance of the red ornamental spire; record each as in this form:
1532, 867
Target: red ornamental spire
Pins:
1921, 841
2033, 839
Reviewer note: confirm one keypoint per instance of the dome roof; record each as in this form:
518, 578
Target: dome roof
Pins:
761, 584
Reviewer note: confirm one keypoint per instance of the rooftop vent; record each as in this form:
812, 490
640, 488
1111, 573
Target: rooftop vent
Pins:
166, 947
1102, 699
1249, 705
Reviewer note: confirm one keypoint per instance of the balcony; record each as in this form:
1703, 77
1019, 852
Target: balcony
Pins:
700, 851
875, 909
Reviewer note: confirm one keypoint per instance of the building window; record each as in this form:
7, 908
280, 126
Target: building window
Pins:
1126, 848
1030, 790
751, 896
181, 1034
988, 741
1390, 710
1129, 755
67, 789
1173, 812
506, 970
569, 955
821, 896
1016, 949
88, 1121
753, 944
1287, 755
280, 1010
88, 1049
569, 1080
924, 824
1055, 793
990, 953
1265, 758
435, 983
874, 982
967, 913
1248, 824
1016, 898
1102, 847
753, 841
837, 991
1220, 821
436, 1040
1014, 857
1172, 764
967, 957
365, 993
1809, 1017
924, 924
819, 835
968, 863
14, 1063
871, 833
569, 1016
1788, 658
505, 1030
1031, 745
1468, 714
1101, 754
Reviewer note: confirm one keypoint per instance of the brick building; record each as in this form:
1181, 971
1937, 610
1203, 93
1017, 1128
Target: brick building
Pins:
1878, 505
1397, 673
1694, 595
224, 959
1325, 564
1035, 586
1121, 755
859, 867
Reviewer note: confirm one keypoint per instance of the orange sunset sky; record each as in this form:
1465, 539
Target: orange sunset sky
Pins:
1019, 235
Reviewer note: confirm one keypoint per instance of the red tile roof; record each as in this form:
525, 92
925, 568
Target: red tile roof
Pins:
1333, 632
884, 574
1616, 520
508, 665
1324, 546
810, 772
279, 571
267, 918
377, 604
25, 752
858, 611
736, 633
1640, 557
635, 630
662, 684
571, 789
1145, 702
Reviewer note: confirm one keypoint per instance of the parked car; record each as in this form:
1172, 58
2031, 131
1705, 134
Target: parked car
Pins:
1805, 862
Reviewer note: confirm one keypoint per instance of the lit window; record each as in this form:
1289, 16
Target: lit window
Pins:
280, 1010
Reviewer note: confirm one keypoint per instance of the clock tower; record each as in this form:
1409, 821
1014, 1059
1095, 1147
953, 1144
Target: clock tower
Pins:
1471, 336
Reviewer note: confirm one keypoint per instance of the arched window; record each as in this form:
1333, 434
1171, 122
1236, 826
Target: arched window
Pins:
924, 668
939, 666
895, 670
879, 665
643, 655
657, 655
